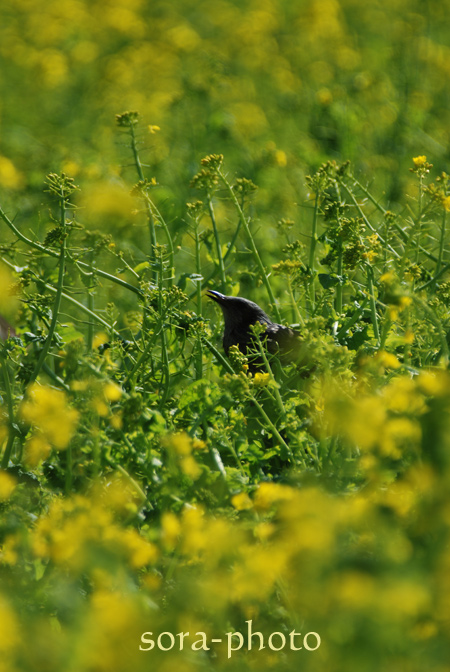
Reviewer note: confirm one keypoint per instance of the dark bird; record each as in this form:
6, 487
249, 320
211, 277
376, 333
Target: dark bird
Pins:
239, 314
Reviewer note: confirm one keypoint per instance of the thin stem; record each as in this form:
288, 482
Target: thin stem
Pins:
77, 262
218, 355
69, 470
419, 218
57, 302
312, 251
403, 234
354, 318
198, 270
441, 246
438, 324
76, 303
253, 247
278, 398
9, 400
156, 214
373, 304
339, 270
150, 217
90, 303
274, 430
223, 278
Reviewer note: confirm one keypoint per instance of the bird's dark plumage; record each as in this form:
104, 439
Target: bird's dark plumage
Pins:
239, 314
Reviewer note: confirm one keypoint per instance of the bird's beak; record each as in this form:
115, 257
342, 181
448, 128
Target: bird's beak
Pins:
216, 296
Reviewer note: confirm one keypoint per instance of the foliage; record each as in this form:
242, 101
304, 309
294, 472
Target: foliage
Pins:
148, 484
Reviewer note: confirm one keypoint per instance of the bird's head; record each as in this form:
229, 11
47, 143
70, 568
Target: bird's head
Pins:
238, 312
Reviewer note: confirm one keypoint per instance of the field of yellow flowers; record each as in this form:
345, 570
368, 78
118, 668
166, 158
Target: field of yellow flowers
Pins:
160, 506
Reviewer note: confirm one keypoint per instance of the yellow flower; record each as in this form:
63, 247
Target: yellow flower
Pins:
47, 410
446, 203
112, 391
9, 301
271, 493
7, 485
10, 177
140, 551
9, 551
388, 360
37, 449
404, 302
241, 501
280, 158
180, 445
170, 529
408, 337
419, 161
190, 467
261, 379
435, 383
10, 630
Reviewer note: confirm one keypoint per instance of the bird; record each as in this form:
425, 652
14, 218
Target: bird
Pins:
239, 315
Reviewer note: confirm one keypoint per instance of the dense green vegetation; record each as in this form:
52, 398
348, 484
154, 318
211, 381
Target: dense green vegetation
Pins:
292, 153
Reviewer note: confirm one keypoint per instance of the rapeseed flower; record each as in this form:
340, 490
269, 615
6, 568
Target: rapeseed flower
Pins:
7, 485
48, 412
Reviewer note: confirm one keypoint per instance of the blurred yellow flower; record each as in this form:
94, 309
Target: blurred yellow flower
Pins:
9, 301
37, 449
180, 446
388, 360
47, 410
434, 383
140, 551
419, 161
10, 177
241, 501
281, 158
7, 485
170, 529
112, 391
10, 632
268, 494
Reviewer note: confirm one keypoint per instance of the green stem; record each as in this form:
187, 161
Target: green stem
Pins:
218, 355
69, 470
57, 302
441, 247
443, 270
52, 253
312, 251
76, 303
274, 386
403, 234
387, 323
9, 401
222, 273
274, 430
253, 247
150, 216
339, 270
297, 314
437, 323
90, 305
354, 318
157, 215
418, 226
198, 270
373, 303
